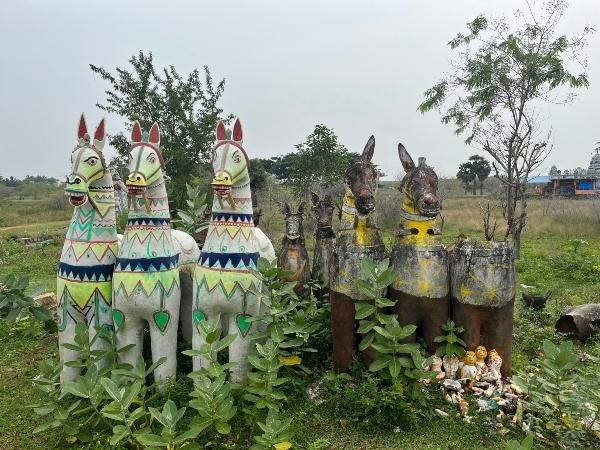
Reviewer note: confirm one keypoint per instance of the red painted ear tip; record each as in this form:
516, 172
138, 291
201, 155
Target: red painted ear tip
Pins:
99, 134
82, 128
154, 136
221, 132
237, 130
136, 132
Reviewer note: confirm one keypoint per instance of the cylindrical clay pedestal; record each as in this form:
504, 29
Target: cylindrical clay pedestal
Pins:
482, 286
421, 288
343, 294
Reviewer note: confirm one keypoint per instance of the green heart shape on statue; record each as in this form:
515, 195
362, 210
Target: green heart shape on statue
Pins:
243, 323
118, 317
161, 319
198, 318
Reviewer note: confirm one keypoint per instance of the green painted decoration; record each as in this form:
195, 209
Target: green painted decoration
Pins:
161, 319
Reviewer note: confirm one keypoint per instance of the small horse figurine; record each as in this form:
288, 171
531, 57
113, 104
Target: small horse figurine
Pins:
324, 237
84, 280
152, 278
294, 257
358, 238
421, 289
223, 282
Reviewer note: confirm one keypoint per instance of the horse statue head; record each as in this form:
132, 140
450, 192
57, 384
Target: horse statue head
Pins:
323, 208
361, 179
230, 164
419, 186
294, 231
146, 163
87, 164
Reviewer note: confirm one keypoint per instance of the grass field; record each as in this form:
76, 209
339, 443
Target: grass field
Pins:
560, 254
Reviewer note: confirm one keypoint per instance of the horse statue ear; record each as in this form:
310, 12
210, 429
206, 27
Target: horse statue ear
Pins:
405, 159
136, 133
237, 135
100, 136
220, 132
369, 150
315, 198
82, 132
154, 135
287, 210
301, 208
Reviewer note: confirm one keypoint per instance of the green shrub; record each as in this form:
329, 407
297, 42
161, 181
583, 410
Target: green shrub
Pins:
563, 400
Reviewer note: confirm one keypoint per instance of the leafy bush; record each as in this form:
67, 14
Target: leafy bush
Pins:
450, 344
15, 303
563, 400
382, 332
192, 220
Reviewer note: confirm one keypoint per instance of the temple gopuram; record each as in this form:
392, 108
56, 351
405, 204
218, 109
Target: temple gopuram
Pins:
569, 183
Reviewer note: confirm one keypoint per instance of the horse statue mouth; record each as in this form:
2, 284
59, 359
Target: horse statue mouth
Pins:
77, 198
365, 209
429, 212
135, 190
222, 190
292, 237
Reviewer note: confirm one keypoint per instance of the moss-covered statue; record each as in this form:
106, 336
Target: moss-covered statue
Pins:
358, 238
421, 288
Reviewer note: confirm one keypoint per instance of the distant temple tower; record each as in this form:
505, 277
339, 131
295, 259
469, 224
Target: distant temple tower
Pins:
594, 168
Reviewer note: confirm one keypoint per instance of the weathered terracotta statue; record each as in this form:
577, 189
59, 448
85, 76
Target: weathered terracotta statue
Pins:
152, 277
421, 288
223, 280
358, 238
84, 281
482, 284
294, 257
324, 238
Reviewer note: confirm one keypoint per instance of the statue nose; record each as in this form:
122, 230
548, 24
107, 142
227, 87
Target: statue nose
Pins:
430, 199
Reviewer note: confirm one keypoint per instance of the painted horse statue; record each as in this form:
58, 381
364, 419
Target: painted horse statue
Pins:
324, 237
358, 238
223, 282
294, 257
421, 289
84, 281
152, 277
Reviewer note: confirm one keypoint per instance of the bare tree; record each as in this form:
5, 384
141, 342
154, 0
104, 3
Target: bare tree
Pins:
505, 73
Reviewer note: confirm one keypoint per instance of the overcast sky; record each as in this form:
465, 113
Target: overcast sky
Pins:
358, 67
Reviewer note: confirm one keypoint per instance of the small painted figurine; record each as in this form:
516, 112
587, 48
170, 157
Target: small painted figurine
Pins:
494, 365
481, 354
451, 364
436, 366
468, 368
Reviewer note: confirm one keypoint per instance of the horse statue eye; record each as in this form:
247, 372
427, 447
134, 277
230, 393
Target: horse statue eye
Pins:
92, 161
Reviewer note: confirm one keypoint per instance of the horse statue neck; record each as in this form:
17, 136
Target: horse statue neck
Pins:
362, 227
148, 230
231, 228
95, 221
416, 229
88, 256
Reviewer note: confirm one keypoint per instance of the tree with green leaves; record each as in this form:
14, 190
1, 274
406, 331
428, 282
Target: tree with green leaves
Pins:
186, 108
320, 162
475, 170
504, 73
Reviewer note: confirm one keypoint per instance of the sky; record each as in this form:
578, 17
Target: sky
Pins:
360, 67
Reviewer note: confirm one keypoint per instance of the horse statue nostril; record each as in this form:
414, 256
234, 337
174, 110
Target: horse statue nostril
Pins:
138, 178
